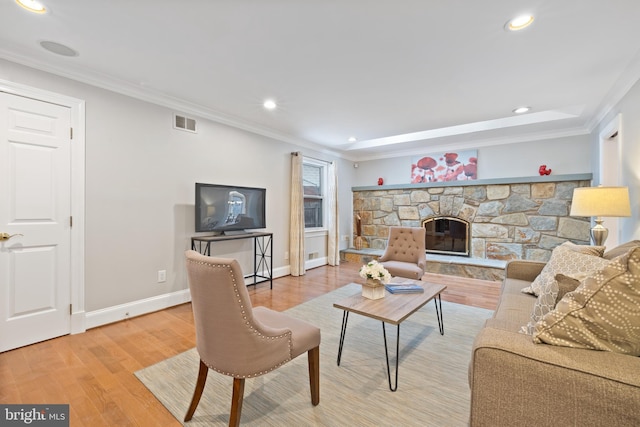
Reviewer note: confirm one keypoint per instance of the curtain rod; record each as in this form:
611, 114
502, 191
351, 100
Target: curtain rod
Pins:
296, 153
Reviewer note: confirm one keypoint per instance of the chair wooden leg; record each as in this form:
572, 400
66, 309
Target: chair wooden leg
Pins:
197, 393
314, 374
236, 402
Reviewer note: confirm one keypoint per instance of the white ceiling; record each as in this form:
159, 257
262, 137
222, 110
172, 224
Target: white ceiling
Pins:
403, 76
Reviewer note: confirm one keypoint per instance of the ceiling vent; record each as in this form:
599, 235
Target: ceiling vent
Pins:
184, 123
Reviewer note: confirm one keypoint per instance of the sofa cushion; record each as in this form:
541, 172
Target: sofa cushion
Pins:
568, 258
514, 307
602, 313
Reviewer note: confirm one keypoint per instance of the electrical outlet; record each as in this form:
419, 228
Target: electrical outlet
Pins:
162, 276
286, 255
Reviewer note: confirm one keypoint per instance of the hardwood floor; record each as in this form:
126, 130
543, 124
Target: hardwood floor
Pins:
93, 371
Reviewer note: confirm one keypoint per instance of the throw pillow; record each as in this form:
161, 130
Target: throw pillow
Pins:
568, 258
548, 295
602, 313
621, 249
585, 249
568, 284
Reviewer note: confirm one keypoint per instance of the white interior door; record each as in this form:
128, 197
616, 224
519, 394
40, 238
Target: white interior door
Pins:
35, 208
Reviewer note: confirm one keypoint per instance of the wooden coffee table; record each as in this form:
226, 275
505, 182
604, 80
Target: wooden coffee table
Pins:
394, 309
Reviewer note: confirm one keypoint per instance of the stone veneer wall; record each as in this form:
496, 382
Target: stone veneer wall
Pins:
523, 220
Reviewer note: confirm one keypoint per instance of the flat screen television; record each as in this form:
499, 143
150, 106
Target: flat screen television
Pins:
224, 208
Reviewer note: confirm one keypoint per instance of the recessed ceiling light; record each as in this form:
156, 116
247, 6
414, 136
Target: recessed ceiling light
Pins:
352, 139
521, 110
32, 6
270, 104
58, 48
519, 22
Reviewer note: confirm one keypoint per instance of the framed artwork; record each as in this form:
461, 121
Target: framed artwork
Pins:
441, 167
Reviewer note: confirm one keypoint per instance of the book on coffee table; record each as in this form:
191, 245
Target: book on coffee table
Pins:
403, 288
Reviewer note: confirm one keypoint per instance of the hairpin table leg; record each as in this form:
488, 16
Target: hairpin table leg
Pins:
386, 353
437, 301
343, 331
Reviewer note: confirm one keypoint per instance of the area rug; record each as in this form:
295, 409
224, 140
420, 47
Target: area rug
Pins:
432, 385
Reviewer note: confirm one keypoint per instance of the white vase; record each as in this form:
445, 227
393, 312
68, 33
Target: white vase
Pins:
373, 289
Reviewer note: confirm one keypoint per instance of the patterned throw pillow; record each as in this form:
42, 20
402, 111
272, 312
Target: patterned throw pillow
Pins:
586, 249
548, 295
568, 284
621, 249
602, 313
568, 258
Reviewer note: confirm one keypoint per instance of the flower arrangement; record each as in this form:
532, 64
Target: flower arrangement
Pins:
375, 270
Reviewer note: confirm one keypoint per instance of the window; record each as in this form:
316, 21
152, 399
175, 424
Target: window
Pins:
314, 178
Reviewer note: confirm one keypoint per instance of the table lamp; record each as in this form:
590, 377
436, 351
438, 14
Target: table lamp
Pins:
599, 202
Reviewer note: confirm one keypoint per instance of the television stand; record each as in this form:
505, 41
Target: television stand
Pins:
262, 252
234, 233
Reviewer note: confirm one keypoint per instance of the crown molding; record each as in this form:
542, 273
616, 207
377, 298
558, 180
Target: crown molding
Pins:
146, 94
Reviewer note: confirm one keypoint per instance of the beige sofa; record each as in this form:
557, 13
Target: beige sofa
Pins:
515, 382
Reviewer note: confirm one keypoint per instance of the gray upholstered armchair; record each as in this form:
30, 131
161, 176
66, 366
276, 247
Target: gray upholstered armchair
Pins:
235, 339
405, 253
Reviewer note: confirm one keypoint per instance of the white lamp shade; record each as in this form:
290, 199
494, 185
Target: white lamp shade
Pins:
600, 201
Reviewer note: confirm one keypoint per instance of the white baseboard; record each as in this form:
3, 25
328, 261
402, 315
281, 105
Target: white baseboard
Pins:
316, 262
78, 322
282, 271
135, 308
104, 316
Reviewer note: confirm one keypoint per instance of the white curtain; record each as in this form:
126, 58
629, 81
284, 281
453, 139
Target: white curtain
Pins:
333, 239
296, 231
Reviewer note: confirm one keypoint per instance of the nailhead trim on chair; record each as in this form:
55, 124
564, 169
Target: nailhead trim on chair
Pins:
243, 311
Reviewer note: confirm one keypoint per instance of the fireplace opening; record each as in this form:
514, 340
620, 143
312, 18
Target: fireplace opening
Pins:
446, 235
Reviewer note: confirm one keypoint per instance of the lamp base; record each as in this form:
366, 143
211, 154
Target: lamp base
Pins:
599, 233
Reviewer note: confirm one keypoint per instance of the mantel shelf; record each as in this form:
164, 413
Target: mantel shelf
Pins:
494, 181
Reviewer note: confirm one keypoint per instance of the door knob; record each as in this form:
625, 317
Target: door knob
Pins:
7, 236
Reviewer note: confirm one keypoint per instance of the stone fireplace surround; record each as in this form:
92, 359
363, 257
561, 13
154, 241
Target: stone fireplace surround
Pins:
510, 218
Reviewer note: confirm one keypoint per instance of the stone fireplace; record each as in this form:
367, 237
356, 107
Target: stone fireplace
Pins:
517, 218
446, 235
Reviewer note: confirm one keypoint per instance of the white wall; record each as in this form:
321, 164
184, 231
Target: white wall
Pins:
140, 176
567, 155
629, 109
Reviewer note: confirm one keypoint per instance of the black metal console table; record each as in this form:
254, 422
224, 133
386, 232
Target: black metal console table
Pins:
262, 249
